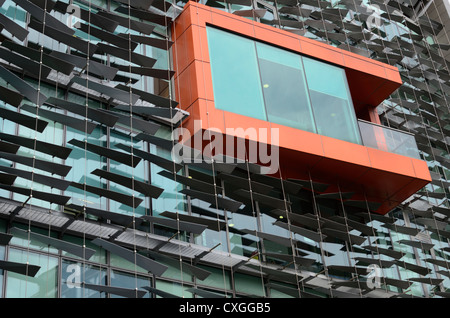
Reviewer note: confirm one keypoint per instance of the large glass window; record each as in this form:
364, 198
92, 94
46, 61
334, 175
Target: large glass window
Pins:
333, 110
269, 83
235, 75
284, 88
42, 285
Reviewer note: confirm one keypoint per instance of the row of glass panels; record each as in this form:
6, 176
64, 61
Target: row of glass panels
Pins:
261, 81
268, 83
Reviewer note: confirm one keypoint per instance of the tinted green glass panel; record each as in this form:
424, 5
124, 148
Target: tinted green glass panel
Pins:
284, 88
235, 74
43, 285
332, 107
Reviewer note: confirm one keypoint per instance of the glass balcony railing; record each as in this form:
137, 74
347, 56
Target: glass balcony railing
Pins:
388, 139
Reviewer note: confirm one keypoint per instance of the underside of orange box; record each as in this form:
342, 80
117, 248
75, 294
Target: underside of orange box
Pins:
378, 176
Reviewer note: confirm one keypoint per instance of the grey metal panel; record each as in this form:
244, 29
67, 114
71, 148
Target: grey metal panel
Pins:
413, 267
215, 225
163, 44
128, 23
9, 147
147, 71
127, 55
142, 4
39, 178
348, 269
245, 183
70, 40
422, 245
158, 141
23, 87
20, 268
426, 280
438, 262
198, 272
150, 111
7, 179
141, 261
264, 199
289, 258
13, 28
176, 224
364, 229
384, 251
285, 241
116, 39
191, 182
316, 186
158, 292
41, 146
149, 97
376, 217
27, 65
5, 238
94, 114
303, 232
216, 201
51, 61
11, 97
353, 239
287, 186
117, 218
107, 90
95, 67
216, 214
145, 15
74, 249
135, 123
115, 155
120, 291
113, 195
307, 220
157, 160
142, 187
435, 224
24, 120
42, 16
56, 168
379, 262
70, 121
49, 197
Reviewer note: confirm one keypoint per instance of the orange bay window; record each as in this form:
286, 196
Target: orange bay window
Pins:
235, 75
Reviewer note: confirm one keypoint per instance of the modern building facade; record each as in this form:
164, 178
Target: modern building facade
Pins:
247, 148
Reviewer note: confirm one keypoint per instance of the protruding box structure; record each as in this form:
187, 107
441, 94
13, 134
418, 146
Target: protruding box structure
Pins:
371, 169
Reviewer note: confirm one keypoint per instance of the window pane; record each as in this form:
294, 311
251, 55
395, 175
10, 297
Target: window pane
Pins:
131, 281
42, 285
333, 110
235, 75
284, 88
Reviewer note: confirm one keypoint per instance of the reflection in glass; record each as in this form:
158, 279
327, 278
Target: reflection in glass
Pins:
131, 281
330, 98
284, 88
235, 74
42, 285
